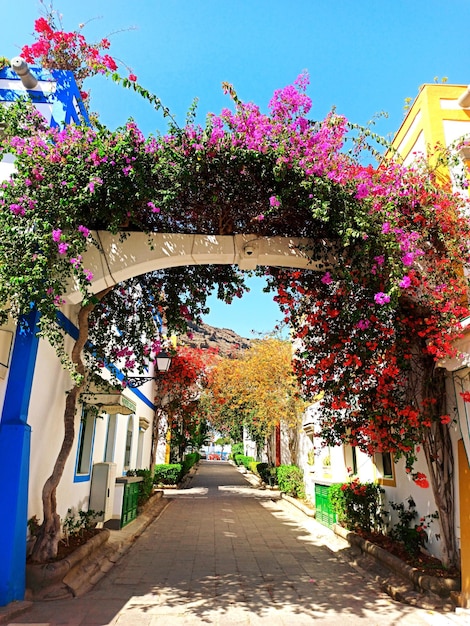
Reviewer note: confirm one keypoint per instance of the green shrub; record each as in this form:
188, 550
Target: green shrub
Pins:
237, 448
413, 536
189, 460
264, 471
241, 459
252, 466
358, 505
167, 473
246, 460
290, 479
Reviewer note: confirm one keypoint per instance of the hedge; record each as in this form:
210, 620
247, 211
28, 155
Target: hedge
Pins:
290, 479
168, 473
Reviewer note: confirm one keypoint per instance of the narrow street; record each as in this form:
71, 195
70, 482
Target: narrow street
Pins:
223, 552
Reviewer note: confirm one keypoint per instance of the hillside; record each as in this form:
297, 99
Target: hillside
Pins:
204, 336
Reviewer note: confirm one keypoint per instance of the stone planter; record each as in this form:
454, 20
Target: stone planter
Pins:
442, 587
61, 579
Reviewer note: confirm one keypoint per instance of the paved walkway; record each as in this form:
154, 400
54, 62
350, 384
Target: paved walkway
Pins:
223, 552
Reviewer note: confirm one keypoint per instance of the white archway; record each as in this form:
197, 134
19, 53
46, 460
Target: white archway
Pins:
138, 253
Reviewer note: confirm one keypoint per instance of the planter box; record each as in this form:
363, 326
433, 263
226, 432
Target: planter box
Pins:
442, 587
62, 579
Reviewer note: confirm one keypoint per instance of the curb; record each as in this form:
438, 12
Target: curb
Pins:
299, 505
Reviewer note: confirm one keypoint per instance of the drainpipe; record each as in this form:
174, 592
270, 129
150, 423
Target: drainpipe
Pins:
464, 100
20, 66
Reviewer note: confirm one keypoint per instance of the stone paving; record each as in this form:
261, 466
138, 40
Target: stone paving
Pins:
223, 552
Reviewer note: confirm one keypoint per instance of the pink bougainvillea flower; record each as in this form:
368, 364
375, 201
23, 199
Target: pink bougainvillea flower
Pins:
326, 278
84, 230
155, 209
382, 298
405, 282
408, 258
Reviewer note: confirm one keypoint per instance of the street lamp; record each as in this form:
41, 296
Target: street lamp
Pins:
162, 361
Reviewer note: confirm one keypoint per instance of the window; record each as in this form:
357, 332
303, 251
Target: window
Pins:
110, 438
354, 460
129, 436
85, 445
385, 469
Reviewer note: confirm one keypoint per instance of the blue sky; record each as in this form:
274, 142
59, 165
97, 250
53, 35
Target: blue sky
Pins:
363, 57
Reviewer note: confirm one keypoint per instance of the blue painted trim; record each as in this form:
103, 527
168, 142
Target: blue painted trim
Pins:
15, 443
20, 378
72, 330
66, 99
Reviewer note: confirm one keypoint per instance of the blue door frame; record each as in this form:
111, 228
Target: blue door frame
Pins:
15, 436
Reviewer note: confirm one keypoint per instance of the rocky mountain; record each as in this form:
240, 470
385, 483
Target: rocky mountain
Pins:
204, 336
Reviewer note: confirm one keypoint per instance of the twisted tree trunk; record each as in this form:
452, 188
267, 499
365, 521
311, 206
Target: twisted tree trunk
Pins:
47, 541
437, 446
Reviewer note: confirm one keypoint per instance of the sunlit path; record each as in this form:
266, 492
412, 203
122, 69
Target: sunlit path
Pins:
224, 552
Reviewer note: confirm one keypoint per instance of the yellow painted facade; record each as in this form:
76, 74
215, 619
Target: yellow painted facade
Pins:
436, 119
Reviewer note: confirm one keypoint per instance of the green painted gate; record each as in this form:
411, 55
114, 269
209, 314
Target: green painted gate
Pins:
324, 511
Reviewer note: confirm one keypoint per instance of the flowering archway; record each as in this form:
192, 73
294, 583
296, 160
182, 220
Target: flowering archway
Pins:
378, 305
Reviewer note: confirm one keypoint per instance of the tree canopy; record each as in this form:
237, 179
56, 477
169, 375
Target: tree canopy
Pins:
256, 388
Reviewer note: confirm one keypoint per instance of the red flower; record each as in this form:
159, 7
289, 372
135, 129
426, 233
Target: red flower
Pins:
132, 77
421, 480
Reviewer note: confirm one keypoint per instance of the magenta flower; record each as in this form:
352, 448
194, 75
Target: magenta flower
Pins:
386, 227
260, 217
363, 324
382, 298
88, 275
56, 235
155, 209
84, 230
405, 282
362, 191
17, 209
62, 247
407, 259
274, 202
326, 278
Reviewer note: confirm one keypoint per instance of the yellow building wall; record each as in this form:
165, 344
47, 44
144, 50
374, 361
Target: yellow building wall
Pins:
428, 121
464, 482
